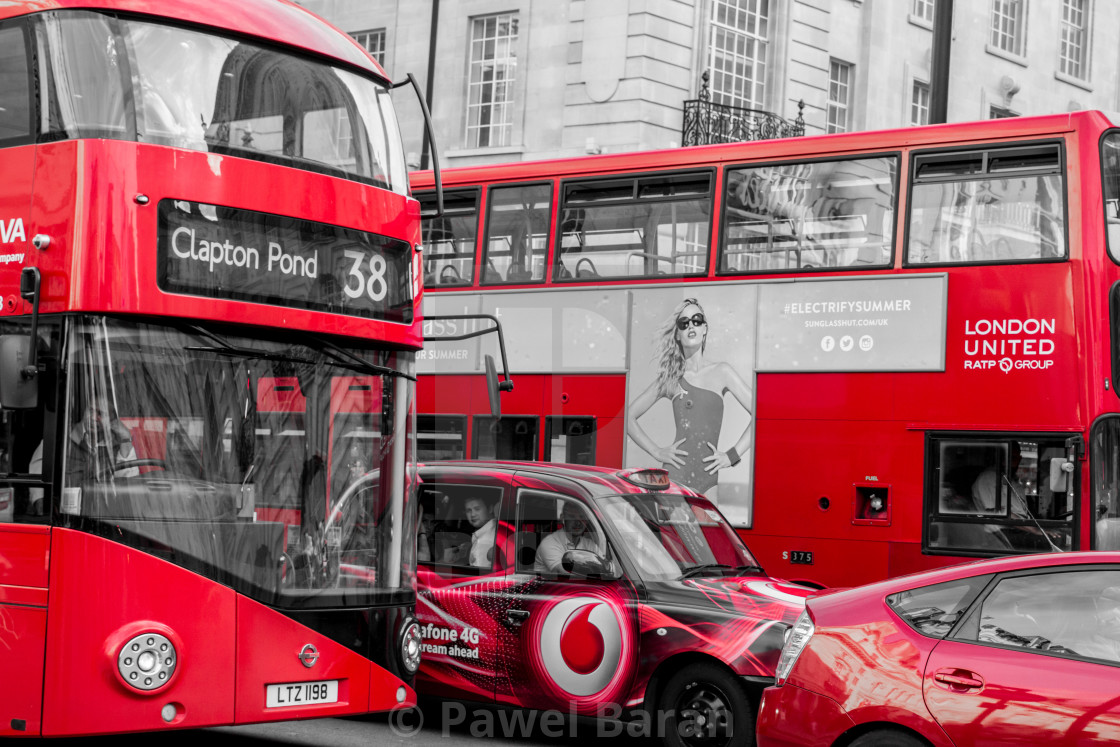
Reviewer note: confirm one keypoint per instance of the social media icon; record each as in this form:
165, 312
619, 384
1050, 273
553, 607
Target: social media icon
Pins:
866, 343
846, 343
827, 343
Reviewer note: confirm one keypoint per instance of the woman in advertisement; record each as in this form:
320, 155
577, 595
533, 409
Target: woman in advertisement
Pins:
695, 388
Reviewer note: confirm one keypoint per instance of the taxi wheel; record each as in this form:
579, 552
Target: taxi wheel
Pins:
887, 738
705, 706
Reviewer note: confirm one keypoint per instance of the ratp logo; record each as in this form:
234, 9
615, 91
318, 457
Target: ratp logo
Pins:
12, 231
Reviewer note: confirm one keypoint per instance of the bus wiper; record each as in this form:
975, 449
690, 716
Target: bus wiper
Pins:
702, 570
223, 347
346, 359
263, 355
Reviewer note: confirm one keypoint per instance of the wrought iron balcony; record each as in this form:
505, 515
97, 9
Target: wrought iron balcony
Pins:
706, 122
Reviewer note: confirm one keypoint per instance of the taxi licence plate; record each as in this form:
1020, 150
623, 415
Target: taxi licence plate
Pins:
301, 693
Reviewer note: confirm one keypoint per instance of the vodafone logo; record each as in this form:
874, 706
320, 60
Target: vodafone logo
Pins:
581, 643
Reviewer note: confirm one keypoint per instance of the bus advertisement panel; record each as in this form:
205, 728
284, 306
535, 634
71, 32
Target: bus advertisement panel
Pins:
876, 352
211, 313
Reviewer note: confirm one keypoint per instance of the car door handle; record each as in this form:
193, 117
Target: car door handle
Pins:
517, 616
959, 679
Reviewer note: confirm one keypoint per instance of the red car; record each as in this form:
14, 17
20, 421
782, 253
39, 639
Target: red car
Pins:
1011, 651
595, 592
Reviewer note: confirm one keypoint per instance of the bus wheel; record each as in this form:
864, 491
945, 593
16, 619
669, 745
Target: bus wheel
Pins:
703, 705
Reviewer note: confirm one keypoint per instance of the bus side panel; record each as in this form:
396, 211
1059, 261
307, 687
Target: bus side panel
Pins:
16, 226
601, 397
104, 594
833, 561
23, 633
811, 482
24, 555
268, 652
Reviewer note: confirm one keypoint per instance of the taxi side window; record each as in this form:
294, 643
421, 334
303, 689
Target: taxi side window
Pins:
550, 525
459, 530
1070, 613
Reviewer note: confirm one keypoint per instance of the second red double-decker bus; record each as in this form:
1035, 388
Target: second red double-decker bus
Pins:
207, 343
877, 352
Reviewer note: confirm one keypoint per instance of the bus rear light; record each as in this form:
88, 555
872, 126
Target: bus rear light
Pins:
147, 661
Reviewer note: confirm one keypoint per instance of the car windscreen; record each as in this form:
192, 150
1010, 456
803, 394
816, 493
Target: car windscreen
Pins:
670, 536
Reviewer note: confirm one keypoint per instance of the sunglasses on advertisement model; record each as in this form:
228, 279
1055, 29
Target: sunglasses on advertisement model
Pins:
697, 320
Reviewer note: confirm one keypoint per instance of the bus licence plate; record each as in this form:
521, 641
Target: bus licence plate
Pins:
301, 693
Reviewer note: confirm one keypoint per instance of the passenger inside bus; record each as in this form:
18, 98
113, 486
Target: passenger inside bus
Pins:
99, 442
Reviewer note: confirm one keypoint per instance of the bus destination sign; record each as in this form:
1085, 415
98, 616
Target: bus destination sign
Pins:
243, 255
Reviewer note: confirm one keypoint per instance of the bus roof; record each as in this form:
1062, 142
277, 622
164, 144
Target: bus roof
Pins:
798, 147
277, 21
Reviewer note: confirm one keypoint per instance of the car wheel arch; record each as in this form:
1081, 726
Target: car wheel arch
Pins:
884, 729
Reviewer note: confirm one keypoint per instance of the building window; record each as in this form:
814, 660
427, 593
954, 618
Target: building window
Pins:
922, 9
1000, 112
919, 104
737, 52
374, 43
1075, 39
1007, 26
839, 96
493, 65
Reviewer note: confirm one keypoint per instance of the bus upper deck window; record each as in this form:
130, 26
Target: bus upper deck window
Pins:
987, 206
635, 226
1110, 178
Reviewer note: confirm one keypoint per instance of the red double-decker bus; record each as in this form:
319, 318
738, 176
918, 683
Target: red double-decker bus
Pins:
208, 256
877, 352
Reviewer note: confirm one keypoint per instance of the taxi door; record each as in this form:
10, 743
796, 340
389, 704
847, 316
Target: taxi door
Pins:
573, 638
461, 566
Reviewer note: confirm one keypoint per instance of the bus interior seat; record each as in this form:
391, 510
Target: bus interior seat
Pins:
449, 276
585, 268
492, 274
519, 274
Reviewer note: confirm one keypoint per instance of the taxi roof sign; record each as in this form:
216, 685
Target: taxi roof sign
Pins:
650, 478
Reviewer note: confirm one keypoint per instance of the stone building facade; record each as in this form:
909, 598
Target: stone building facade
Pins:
530, 79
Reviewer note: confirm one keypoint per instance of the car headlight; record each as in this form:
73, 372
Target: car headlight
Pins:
410, 646
796, 639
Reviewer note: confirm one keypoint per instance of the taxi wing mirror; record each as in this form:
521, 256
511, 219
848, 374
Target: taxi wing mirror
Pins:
587, 564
